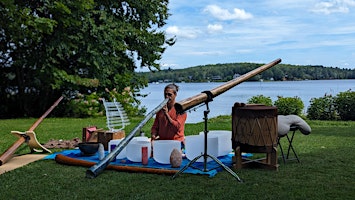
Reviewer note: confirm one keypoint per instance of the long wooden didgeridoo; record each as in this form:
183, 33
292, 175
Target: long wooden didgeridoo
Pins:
24, 138
77, 162
99, 167
190, 102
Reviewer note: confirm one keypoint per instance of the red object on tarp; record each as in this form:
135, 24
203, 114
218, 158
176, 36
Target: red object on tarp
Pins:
145, 155
87, 131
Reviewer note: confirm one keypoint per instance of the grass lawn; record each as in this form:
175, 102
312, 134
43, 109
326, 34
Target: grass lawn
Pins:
326, 171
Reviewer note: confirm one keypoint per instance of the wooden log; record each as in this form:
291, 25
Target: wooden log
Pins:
190, 102
11, 150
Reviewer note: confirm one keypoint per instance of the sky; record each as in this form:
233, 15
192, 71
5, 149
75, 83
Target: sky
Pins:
300, 32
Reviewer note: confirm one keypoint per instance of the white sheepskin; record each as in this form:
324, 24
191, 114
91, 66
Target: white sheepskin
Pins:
286, 121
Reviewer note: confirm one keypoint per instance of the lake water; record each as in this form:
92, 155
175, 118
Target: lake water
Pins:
222, 104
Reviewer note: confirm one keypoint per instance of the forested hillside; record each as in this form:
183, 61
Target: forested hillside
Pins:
226, 72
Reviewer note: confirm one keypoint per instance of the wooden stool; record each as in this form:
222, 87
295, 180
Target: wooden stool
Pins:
254, 130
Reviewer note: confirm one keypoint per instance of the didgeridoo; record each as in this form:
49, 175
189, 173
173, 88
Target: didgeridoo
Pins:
190, 102
76, 162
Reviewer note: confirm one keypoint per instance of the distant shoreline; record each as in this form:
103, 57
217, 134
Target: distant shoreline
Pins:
222, 104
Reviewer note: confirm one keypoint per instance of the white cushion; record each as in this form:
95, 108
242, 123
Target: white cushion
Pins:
286, 121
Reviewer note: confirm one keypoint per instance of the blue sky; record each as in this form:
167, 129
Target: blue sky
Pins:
300, 32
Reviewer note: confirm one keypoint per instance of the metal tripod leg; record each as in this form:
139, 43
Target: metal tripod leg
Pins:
205, 170
282, 152
187, 166
205, 155
290, 147
226, 168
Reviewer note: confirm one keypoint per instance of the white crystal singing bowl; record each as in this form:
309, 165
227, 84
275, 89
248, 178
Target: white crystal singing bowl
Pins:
224, 140
163, 148
113, 144
140, 138
194, 146
134, 150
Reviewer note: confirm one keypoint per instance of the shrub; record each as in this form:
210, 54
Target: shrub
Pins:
127, 100
260, 99
322, 108
85, 106
91, 105
289, 105
345, 105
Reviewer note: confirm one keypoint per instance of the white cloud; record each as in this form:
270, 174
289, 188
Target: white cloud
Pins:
242, 51
333, 6
184, 33
329, 7
349, 2
214, 27
204, 53
224, 14
278, 28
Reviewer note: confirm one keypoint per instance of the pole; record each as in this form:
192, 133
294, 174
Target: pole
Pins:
95, 170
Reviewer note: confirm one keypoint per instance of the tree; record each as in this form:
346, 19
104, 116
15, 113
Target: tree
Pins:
48, 48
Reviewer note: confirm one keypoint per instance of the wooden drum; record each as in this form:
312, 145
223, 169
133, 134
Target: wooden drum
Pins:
254, 130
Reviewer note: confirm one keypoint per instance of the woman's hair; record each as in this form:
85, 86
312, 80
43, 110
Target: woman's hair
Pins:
173, 87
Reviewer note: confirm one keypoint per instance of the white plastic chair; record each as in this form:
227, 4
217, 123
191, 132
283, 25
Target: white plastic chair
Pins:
116, 117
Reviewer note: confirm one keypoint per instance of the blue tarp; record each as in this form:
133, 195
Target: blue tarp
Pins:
212, 167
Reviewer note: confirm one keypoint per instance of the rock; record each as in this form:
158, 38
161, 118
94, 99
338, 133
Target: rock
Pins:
176, 158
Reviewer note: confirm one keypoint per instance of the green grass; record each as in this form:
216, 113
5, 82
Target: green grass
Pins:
326, 170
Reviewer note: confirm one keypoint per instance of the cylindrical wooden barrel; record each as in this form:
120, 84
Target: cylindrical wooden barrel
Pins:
254, 126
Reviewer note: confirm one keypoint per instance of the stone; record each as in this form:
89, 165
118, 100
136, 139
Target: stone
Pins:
176, 158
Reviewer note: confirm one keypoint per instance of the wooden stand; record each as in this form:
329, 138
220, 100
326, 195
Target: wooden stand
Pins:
255, 131
29, 137
92, 134
104, 137
268, 162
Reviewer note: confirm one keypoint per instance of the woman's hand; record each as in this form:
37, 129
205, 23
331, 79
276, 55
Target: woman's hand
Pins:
165, 109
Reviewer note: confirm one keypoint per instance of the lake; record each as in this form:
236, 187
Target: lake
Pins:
222, 104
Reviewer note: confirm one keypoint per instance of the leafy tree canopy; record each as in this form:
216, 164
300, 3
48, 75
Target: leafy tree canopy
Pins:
227, 71
49, 48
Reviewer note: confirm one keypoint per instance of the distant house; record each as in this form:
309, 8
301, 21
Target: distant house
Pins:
216, 78
236, 76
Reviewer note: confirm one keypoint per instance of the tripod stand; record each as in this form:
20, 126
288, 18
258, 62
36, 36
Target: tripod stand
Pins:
205, 155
